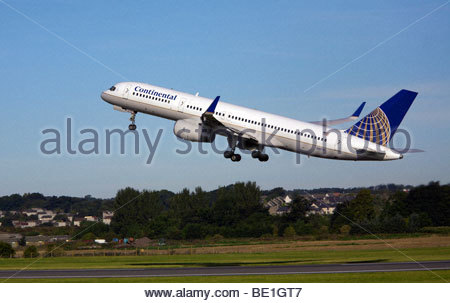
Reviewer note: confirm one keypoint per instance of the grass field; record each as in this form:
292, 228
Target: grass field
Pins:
378, 277
288, 253
236, 259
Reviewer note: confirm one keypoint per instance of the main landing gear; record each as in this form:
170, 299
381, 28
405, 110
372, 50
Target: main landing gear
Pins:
229, 154
257, 154
132, 126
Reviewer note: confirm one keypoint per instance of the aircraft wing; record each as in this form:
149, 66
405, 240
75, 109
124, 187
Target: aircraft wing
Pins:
209, 119
208, 116
353, 117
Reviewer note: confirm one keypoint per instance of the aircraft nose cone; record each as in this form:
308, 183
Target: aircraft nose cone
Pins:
104, 96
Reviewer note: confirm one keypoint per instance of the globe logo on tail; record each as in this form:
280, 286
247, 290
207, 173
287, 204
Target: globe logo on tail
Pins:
374, 127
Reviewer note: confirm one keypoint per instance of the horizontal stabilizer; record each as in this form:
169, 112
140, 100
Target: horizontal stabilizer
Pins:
408, 150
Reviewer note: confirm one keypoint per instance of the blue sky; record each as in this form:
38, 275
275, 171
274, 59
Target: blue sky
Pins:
261, 54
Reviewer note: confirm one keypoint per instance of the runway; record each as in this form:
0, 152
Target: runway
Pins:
225, 270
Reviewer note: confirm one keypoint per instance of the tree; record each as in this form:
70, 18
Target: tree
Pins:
6, 250
345, 229
6, 222
54, 251
276, 192
237, 203
289, 232
194, 231
299, 207
397, 205
135, 211
22, 241
360, 209
88, 236
98, 229
31, 252
433, 200
303, 228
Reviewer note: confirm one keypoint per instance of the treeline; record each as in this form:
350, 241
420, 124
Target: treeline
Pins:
402, 212
81, 206
237, 211
233, 211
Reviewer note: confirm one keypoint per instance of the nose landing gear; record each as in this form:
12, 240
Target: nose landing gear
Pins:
132, 126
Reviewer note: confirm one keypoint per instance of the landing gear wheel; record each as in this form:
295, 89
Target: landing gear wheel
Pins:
263, 157
256, 154
228, 154
132, 126
236, 158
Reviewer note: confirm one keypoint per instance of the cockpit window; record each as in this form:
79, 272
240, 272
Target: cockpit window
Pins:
113, 88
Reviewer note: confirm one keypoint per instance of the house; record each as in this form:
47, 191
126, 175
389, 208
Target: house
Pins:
46, 218
107, 216
274, 204
12, 239
30, 212
327, 210
41, 240
37, 240
46, 214
32, 223
59, 238
77, 221
107, 213
69, 217
17, 223
61, 223
90, 218
24, 224
287, 199
107, 220
283, 210
314, 209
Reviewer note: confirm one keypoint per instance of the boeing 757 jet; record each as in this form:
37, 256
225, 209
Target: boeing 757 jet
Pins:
200, 119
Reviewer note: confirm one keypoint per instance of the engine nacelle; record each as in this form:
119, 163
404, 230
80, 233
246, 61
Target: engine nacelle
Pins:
193, 130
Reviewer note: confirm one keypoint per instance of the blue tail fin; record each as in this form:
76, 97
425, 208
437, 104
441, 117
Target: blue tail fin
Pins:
380, 125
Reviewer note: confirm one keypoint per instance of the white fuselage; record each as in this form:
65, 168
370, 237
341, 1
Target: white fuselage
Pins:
269, 129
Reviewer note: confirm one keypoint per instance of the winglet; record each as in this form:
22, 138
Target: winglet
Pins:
359, 110
213, 105
353, 117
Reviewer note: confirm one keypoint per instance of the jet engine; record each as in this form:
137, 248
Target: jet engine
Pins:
193, 130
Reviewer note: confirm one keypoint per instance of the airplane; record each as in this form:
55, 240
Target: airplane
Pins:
200, 119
